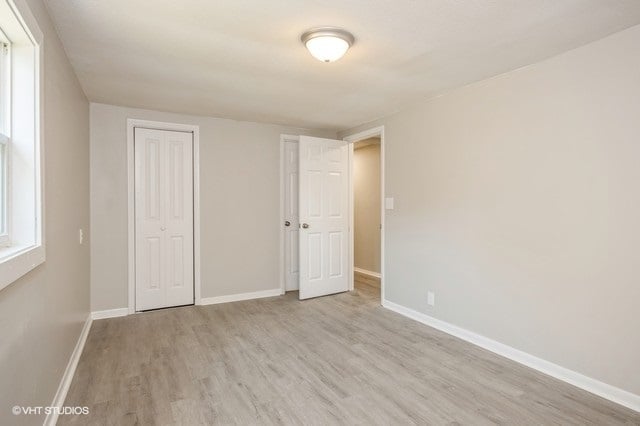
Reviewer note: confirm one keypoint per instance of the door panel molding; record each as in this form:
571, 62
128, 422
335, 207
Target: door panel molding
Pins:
164, 232
132, 124
289, 263
324, 210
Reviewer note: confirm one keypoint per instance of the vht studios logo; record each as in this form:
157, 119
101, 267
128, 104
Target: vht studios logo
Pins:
61, 411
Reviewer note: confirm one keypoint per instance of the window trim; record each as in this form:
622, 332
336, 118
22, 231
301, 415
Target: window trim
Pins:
17, 260
5, 104
5, 141
5, 193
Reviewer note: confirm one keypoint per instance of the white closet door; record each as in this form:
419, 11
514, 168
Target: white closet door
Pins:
291, 241
324, 216
164, 218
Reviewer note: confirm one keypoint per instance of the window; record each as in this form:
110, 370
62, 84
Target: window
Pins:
5, 97
21, 241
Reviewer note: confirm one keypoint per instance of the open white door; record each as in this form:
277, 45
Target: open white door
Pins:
324, 216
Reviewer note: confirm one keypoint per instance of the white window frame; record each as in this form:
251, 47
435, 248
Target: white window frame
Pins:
5, 213
24, 244
5, 141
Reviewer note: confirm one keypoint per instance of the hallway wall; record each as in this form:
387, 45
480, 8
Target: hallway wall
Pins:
366, 185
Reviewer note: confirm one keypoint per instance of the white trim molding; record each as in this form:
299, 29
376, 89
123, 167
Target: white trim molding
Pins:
612, 393
109, 313
67, 377
241, 296
367, 272
176, 127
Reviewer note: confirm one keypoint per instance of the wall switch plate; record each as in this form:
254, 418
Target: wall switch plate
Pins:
388, 203
80, 236
431, 298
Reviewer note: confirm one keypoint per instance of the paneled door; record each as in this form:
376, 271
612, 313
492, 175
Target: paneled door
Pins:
291, 231
163, 218
324, 216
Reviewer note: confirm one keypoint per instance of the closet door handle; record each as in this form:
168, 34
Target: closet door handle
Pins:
287, 223
305, 225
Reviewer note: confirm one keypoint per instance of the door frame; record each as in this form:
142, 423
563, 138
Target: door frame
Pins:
356, 137
373, 132
131, 228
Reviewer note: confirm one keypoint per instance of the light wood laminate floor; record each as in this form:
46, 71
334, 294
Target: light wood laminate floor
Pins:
340, 359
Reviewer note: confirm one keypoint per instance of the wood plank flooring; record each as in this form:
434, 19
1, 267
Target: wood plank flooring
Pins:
366, 279
339, 359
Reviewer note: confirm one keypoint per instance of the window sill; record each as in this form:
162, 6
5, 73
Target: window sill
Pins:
17, 261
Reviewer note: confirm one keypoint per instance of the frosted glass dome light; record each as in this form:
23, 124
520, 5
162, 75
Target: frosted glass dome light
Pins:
327, 44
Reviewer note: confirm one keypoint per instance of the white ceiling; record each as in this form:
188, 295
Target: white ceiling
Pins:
242, 59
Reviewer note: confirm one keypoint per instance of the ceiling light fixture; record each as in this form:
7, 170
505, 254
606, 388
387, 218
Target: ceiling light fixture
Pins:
327, 44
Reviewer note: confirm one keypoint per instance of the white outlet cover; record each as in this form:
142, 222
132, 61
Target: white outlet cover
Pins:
431, 298
388, 203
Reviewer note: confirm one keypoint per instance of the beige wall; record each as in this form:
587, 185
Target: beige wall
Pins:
366, 200
239, 196
42, 314
517, 203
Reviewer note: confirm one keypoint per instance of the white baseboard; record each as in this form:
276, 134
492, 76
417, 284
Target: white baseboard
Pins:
581, 381
367, 272
67, 377
240, 296
110, 313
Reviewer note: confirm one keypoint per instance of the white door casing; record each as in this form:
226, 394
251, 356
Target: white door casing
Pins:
291, 231
164, 274
324, 208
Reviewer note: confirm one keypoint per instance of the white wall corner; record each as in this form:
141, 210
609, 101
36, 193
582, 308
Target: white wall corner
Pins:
604, 390
67, 377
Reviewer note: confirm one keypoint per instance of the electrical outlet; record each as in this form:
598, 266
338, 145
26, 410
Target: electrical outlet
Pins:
80, 236
431, 298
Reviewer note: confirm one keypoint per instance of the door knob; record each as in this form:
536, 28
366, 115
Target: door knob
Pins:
162, 228
287, 223
305, 225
